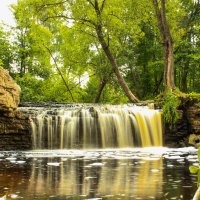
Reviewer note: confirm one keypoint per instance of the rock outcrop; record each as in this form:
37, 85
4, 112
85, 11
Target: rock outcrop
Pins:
193, 114
15, 130
186, 131
9, 92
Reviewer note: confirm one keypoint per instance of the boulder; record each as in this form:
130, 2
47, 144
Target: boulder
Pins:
9, 92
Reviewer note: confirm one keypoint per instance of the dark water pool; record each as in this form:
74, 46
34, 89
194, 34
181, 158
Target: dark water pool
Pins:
156, 173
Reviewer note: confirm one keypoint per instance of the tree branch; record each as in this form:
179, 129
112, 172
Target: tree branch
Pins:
81, 82
46, 5
90, 2
102, 5
58, 69
82, 20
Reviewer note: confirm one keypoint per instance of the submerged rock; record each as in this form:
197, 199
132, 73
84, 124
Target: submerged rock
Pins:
9, 92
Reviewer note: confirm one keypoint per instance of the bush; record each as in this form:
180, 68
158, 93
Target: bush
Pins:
171, 103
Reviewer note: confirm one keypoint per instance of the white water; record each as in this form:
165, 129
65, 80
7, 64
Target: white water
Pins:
95, 127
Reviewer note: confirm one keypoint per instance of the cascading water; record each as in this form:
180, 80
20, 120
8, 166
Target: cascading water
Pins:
94, 126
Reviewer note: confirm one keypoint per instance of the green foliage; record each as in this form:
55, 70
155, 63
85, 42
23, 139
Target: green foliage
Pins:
196, 169
169, 108
31, 88
62, 34
6, 50
113, 94
194, 95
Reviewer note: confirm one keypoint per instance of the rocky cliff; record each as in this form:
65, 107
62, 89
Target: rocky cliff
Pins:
186, 131
193, 114
9, 92
15, 131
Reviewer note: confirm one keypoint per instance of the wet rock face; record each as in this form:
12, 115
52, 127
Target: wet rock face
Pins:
9, 92
175, 136
194, 121
15, 130
194, 117
186, 131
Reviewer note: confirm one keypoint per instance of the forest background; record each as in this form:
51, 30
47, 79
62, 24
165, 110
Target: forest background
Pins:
108, 51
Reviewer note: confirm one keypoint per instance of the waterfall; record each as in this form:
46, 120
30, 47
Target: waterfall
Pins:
97, 126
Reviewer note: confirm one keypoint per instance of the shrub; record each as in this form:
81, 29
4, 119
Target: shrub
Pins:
171, 103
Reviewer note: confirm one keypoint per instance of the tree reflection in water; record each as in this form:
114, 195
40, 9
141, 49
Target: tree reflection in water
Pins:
105, 175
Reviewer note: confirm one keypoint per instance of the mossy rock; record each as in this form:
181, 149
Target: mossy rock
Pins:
194, 140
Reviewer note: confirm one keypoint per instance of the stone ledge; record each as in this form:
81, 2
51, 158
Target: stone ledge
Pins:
15, 131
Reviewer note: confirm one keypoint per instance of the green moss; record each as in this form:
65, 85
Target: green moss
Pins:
171, 100
194, 96
170, 105
179, 94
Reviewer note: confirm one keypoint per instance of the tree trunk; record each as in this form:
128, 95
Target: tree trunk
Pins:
22, 66
184, 76
100, 90
157, 85
186, 66
114, 65
110, 56
167, 44
22, 60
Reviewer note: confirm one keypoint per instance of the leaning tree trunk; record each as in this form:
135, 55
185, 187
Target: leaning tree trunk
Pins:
114, 65
110, 56
167, 44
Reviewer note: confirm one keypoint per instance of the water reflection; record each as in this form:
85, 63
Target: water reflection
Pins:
128, 175
106, 178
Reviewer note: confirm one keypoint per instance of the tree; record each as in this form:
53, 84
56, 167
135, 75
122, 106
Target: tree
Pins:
87, 16
99, 30
107, 43
6, 50
167, 44
146, 74
187, 49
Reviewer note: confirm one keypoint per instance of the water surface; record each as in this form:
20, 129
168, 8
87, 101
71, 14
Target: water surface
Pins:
148, 173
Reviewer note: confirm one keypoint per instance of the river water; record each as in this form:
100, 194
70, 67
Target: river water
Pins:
139, 173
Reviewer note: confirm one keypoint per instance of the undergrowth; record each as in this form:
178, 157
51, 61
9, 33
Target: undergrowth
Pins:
170, 105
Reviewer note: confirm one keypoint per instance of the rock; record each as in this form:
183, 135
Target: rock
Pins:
194, 140
194, 117
15, 131
186, 131
15, 128
9, 92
